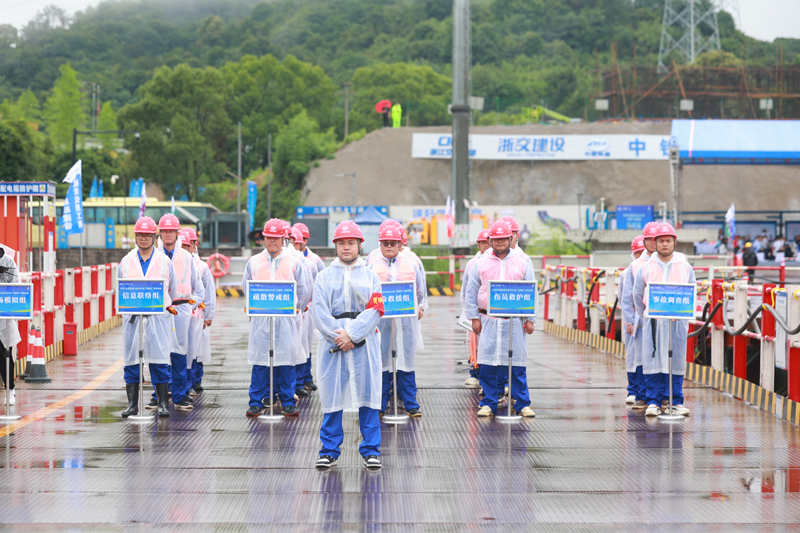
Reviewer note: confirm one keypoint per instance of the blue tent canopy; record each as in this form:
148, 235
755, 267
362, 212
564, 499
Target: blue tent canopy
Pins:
369, 215
738, 142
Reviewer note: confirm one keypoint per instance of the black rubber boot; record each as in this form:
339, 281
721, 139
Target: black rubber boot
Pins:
161, 391
133, 400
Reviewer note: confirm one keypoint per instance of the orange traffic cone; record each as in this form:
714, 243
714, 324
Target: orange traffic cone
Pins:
38, 371
29, 353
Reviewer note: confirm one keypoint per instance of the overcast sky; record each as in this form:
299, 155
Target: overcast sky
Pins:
763, 19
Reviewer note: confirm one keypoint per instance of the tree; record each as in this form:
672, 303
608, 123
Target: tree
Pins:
29, 108
107, 121
184, 129
24, 153
94, 162
63, 110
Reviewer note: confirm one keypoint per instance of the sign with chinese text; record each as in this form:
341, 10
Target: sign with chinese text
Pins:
326, 210
16, 301
546, 147
673, 301
141, 296
271, 298
634, 216
72, 214
512, 299
399, 299
31, 188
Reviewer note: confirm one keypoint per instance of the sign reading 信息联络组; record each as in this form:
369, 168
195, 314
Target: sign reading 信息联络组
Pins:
16, 301
673, 301
271, 298
141, 296
512, 299
399, 299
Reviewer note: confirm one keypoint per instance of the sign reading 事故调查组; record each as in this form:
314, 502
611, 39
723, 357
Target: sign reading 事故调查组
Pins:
673, 301
16, 301
512, 299
141, 296
399, 299
271, 298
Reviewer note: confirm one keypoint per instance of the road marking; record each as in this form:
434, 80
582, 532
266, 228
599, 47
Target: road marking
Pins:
52, 408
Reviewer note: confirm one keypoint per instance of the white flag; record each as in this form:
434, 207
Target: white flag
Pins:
143, 203
74, 173
173, 204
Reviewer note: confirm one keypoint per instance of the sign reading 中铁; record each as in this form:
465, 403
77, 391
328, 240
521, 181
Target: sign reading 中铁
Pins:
399, 299
674, 301
141, 296
16, 301
271, 298
512, 299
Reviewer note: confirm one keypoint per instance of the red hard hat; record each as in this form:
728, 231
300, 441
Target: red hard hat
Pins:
297, 235
387, 223
483, 236
513, 221
403, 235
665, 230
649, 230
145, 225
390, 232
500, 230
303, 229
169, 221
638, 244
286, 227
347, 230
188, 235
273, 228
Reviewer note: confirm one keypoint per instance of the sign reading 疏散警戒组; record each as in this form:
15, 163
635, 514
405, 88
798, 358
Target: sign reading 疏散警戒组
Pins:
16, 301
526, 147
399, 299
271, 298
141, 296
670, 300
512, 299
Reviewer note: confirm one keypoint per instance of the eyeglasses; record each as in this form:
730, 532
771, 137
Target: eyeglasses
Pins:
144, 236
390, 244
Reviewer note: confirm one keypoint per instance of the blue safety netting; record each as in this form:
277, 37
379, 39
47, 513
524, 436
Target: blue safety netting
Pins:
737, 142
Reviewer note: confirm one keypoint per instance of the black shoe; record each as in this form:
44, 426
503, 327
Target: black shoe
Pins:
184, 405
153, 405
265, 401
133, 400
301, 392
188, 398
372, 462
289, 410
310, 385
253, 412
325, 461
191, 393
162, 390
414, 413
198, 388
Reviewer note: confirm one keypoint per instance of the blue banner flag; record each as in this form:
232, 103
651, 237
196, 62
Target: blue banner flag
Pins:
17, 300
141, 297
61, 234
512, 298
399, 299
93, 190
111, 234
252, 198
73, 204
136, 188
271, 298
100, 190
670, 300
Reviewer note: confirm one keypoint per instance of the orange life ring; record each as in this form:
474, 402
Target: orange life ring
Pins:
219, 265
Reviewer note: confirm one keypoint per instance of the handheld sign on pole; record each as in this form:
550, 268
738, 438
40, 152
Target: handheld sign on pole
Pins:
399, 301
141, 297
16, 301
669, 301
511, 299
271, 299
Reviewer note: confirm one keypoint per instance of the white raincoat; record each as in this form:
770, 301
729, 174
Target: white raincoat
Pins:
188, 286
12, 276
286, 267
633, 344
158, 330
347, 379
199, 338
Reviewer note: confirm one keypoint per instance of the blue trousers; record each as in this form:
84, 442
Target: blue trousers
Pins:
307, 377
332, 433
284, 385
299, 371
657, 389
493, 380
190, 375
180, 380
406, 390
636, 384
159, 373
197, 368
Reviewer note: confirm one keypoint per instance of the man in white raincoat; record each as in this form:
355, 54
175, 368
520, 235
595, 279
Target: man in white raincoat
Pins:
483, 244
8, 274
199, 341
347, 309
633, 355
307, 378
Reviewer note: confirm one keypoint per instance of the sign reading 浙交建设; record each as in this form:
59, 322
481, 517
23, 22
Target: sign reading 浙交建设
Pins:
141, 296
16, 301
271, 298
399, 299
670, 300
512, 299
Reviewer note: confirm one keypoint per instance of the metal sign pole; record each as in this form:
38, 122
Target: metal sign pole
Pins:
669, 416
8, 416
140, 416
396, 418
509, 417
271, 417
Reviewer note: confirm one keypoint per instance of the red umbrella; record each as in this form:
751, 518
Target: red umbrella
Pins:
383, 105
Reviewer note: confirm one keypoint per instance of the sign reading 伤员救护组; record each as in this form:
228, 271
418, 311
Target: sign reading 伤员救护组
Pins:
673, 301
271, 298
141, 296
399, 299
16, 301
512, 299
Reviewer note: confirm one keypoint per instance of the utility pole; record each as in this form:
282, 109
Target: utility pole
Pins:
346, 107
460, 110
269, 176
239, 174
